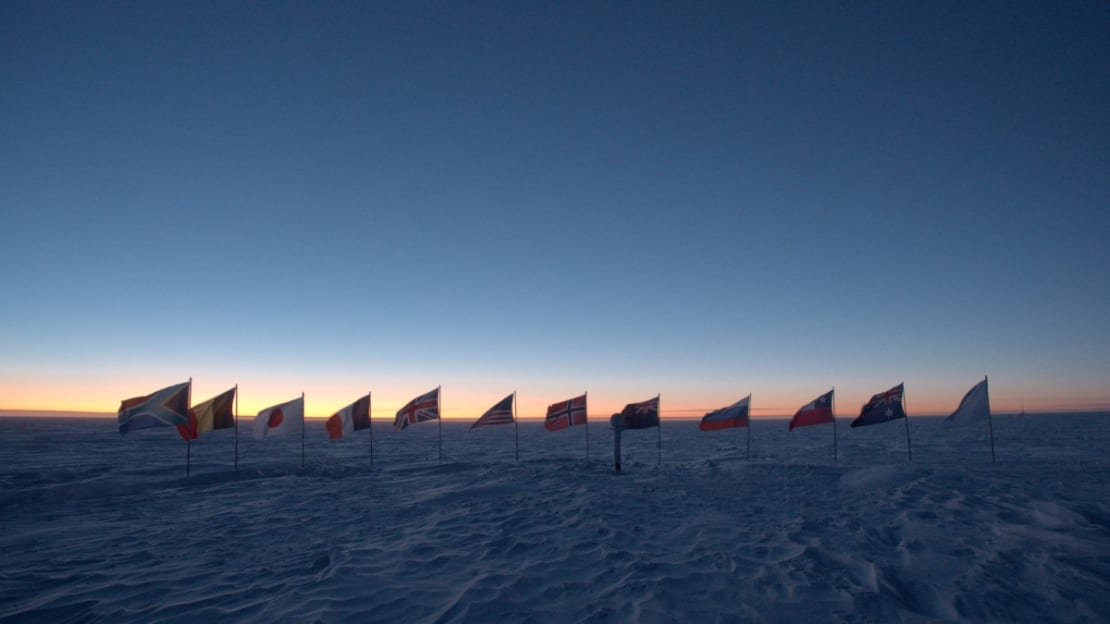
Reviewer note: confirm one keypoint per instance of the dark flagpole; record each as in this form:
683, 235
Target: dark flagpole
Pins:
188, 408
990, 422
302, 430
585, 406
832, 406
370, 417
659, 427
909, 449
439, 412
749, 453
237, 426
516, 429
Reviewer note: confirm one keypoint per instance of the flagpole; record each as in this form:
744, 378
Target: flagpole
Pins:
370, 417
516, 429
439, 411
585, 407
188, 407
236, 426
748, 456
990, 421
302, 430
909, 449
659, 427
832, 406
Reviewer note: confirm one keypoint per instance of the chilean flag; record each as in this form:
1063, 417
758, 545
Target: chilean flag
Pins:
816, 412
280, 419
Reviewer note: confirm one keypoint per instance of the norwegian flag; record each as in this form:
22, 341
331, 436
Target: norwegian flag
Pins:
422, 408
566, 414
883, 407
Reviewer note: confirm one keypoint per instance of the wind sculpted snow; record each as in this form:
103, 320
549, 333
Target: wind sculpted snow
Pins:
103, 527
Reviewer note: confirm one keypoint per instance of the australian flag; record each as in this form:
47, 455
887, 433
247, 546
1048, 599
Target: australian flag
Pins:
882, 407
641, 415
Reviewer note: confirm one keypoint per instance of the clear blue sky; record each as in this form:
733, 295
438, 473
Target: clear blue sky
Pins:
702, 200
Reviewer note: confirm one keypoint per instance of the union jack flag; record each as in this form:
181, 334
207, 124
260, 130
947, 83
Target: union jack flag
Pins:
422, 408
566, 414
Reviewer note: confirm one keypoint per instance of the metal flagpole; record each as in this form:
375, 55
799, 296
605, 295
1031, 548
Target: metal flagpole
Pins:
439, 412
749, 453
370, 418
237, 426
188, 407
909, 449
302, 431
659, 427
832, 406
586, 410
990, 422
516, 429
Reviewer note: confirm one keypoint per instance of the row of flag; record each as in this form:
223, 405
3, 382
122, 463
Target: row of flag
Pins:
170, 407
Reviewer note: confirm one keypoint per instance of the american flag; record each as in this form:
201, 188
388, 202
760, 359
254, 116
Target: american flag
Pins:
566, 414
422, 408
500, 414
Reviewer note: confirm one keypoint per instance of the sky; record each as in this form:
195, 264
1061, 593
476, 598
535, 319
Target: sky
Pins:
697, 200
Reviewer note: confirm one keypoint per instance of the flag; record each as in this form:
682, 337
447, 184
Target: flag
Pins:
643, 415
168, 406
817, 412
566, 414
350, 419
215, 413
422, 408
735, 415
500, 414
882, 407
976, 406
280, 419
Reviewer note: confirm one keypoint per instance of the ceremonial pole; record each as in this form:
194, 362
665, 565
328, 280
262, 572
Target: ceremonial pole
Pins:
990, 421
516, 429
909, 449
370, 418
302, 430
832, 406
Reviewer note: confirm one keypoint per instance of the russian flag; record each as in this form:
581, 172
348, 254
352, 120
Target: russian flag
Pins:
735, 415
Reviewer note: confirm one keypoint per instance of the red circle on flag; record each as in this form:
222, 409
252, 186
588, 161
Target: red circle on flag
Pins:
276, 417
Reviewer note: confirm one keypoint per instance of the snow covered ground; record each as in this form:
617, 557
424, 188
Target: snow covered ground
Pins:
102, 527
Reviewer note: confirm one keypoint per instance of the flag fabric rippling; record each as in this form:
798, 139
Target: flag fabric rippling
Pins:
421, 409
215, 413
163, 408
735, 415
642, 415
354, 417
883, 407
569, 413
816, 412
499, 414
280, 419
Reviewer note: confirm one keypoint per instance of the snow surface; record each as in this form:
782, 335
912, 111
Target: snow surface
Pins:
102, 527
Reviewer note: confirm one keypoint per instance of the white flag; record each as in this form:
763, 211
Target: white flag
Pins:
280, 419
975, 407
